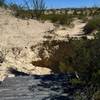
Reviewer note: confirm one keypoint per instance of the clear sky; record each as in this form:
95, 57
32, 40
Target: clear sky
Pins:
67, 3
72, 3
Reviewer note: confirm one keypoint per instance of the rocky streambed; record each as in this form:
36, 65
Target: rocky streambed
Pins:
48, 87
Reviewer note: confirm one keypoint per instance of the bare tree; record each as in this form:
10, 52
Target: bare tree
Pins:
37, 6
27, 4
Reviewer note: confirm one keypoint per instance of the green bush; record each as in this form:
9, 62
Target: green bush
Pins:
62, 19
76, 82
92, 25
24, 14
97, 96
80, 96
96, 77
76, 55
65, 68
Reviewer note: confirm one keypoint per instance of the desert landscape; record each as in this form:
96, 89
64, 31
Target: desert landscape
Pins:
49, 53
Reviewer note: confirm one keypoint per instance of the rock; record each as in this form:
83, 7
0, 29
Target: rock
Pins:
11, 75
3, 75
16, 38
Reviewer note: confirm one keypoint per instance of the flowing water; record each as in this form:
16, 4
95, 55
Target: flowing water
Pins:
48, 87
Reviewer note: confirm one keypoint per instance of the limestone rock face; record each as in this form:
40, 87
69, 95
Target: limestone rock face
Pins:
21, 62
16, 38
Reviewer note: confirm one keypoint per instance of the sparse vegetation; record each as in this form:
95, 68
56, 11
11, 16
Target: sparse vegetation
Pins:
20, 12
96, 95
35, 11
62, 19
39, 7
92, 25
74, 55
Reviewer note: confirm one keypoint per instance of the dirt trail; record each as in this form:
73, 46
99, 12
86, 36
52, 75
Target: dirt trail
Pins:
72, 32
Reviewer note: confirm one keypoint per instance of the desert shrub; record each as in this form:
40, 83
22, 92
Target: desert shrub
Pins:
76, 81
60, 55
38, 7
75, 55
96, 78
84, 18
92, 25
21, 12
62, 19
24, 14
65, 68
79, 96
87, 93
96, 96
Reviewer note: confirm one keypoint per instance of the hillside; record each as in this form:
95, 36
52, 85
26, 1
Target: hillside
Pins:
18, 35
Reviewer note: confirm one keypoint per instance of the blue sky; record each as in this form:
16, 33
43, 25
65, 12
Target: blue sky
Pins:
72, 3
67, 3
